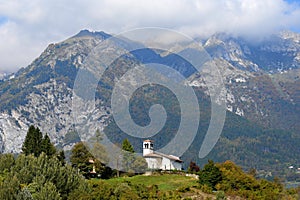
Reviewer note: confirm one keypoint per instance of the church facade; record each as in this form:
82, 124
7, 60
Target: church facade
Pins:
158, 160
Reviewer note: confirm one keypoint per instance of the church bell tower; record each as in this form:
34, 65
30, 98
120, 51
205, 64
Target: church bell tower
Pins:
147, 147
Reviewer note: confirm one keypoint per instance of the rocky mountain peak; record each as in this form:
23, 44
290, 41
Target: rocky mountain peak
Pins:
87, 33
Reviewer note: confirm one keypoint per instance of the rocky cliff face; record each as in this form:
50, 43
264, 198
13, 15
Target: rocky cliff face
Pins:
261, 78
261, 81
41, 94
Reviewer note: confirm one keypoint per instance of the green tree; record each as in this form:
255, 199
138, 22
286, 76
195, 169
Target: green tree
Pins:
80, 157
48, 191
99, 152
100, 160
210, 175
128, 156
47, 147
126, 146
6, 162
35, 172
236, 182
9, 188
33, 140
61, 157
139, 165
35, 143
23, 168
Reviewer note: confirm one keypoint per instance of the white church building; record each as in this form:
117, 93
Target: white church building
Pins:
158, 160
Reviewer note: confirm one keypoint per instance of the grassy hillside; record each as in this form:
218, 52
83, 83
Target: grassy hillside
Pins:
164, 186
165, 182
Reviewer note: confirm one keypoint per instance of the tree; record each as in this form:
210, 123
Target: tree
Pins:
47, 147
33, 140
86, 160
32, 173
99, 152
80, 157
193, 167
210, 175
9, 188
126, 146
6, 162
48, 191
35, 143
61, 157
128, 156
139, 165
100, 160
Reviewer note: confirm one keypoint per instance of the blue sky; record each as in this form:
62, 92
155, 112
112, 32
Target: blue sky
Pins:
296, 3
293, 1
3, 19
28, 26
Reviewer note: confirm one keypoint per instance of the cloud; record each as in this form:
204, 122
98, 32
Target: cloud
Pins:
28, 26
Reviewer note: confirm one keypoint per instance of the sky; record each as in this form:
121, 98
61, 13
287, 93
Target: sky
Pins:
28, 26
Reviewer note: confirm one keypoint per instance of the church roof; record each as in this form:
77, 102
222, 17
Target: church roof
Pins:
161, 155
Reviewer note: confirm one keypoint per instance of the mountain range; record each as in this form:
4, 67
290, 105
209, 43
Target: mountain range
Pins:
262, 98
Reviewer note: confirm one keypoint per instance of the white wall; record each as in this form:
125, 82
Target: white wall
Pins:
163, 164
154, 163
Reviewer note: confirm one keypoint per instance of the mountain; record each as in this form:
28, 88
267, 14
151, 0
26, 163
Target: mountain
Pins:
5, 76
261, 79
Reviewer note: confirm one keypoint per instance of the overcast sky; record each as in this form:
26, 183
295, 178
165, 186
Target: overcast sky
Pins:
28, 26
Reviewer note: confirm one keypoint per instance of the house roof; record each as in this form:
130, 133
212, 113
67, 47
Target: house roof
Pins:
160, 155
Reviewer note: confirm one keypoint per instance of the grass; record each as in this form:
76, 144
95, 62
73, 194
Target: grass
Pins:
165, 182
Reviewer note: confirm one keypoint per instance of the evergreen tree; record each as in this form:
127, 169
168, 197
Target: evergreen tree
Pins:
35, 143
9, 187
126, 146
128, 156
33, 140
6, 162
47, 147
38, 141
48, 191
61, 157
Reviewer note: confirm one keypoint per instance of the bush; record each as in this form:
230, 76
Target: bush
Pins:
220, 195
210, 175
206, 189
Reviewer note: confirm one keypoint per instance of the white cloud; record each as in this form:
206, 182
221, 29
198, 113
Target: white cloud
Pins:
32, 24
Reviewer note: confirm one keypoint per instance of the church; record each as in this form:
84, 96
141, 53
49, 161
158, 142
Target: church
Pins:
158, 160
